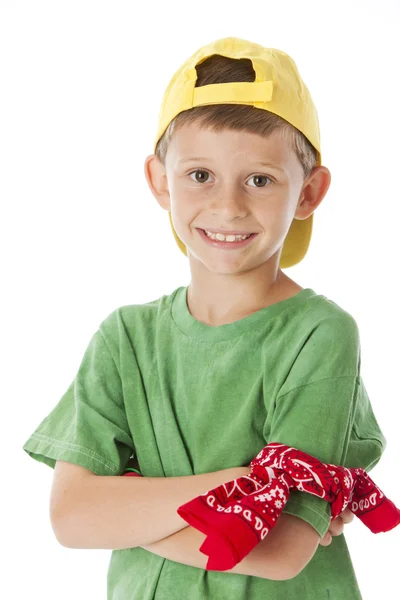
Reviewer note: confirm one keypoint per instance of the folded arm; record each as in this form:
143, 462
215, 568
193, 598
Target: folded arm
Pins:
114, 512
284, 552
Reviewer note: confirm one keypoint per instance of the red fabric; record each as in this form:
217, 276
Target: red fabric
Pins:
237, 515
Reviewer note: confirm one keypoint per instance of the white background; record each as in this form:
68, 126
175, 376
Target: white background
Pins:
81, 86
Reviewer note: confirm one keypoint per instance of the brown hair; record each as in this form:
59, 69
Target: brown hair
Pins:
241, 117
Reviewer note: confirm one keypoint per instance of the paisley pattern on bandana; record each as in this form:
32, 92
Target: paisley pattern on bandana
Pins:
238, 514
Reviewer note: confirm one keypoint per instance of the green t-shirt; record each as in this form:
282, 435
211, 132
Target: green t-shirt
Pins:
186, 398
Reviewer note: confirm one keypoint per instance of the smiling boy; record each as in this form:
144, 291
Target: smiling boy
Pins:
230, 190
195, 383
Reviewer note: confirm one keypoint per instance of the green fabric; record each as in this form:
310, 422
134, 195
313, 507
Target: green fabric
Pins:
186, 398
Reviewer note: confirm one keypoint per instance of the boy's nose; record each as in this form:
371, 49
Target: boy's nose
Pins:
227, 195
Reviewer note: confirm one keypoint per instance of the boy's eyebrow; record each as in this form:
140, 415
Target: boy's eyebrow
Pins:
197, 158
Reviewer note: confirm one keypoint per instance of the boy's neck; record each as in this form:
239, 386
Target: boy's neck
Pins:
214, 316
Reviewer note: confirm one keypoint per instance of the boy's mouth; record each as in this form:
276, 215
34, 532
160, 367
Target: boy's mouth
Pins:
223, 244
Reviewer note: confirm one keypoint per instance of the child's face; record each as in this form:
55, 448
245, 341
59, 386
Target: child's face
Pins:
220, 189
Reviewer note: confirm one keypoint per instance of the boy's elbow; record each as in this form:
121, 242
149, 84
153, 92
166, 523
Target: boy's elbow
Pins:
295, 541
65, 496
295, 570
58, 530
65, 529
303, 552
69, 532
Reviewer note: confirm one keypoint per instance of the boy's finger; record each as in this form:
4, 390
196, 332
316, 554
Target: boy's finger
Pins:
326, 540
336, 527
347, 516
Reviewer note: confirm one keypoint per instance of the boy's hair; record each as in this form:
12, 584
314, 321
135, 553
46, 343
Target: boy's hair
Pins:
240, 117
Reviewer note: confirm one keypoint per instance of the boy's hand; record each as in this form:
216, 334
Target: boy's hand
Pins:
337, 526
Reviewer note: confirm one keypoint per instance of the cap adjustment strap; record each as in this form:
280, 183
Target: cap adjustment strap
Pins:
237, 91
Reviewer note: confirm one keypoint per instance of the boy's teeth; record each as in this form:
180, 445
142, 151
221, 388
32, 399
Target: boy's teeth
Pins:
229, 238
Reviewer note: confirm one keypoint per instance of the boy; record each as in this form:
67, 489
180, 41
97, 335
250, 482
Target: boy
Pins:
195, 383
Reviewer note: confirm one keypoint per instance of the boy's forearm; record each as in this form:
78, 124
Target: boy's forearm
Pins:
183, 547
115, 512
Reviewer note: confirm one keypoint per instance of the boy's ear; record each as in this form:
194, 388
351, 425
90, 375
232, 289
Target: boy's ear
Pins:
156, 177
313, 192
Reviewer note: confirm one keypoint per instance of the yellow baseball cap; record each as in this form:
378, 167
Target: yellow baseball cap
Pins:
277, 88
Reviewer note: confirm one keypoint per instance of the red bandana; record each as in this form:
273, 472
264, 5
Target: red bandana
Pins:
238, 514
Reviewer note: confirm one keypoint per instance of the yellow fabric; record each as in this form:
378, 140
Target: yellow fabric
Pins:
278, 88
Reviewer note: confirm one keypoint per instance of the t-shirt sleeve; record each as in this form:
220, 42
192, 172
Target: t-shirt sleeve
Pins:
316, 407
88, 426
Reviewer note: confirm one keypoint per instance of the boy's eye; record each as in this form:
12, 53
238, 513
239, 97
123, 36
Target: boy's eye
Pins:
203, 179
260, 179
